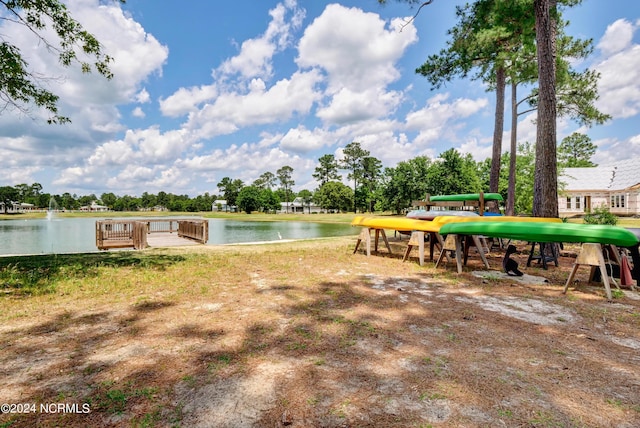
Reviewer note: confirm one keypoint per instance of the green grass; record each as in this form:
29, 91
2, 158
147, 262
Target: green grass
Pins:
41, 274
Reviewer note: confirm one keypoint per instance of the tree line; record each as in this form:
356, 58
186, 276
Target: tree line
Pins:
371, 187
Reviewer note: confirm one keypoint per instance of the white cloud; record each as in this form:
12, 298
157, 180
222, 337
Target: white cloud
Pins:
75, 177
617, 37
186, 100
609, 149
619, 85
245, 162
437, 119
347, 106
619, 68
261, 105
143, 96
255, 56
478, 151
358, 52
301, 139
146, 148
354, 47
527, 129
387, 146
138, 112
136, 54
112, 153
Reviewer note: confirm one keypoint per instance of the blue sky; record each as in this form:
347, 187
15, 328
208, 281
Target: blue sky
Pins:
205, 90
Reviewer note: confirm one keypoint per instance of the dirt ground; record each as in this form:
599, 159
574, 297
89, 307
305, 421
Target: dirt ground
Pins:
307, 334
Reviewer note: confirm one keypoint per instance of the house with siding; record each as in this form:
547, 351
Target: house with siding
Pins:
299, 206
615, 186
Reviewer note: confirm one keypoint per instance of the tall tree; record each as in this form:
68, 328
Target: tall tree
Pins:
371, 172
230, 189
266, 180
35, 193
327, 169
525, 160
334, 195
453, 173
353, 162
248, 199
8, 195
307, 198
576, 92
21, 86
545, 187
108, 199
284, 175
405, 183
269, 200
575, 151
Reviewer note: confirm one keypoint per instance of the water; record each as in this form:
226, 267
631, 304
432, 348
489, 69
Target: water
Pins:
55, 235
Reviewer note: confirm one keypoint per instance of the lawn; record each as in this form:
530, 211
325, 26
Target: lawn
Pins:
308, 334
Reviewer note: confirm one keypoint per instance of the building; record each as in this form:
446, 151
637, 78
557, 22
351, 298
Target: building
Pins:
220, 205
16, 207
298, 206
614, 186
94, 207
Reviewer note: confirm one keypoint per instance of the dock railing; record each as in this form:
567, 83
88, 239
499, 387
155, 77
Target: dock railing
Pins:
133, 233
198, 230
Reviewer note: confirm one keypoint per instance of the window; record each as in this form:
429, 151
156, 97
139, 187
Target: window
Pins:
618, 201
577, 202
568, 203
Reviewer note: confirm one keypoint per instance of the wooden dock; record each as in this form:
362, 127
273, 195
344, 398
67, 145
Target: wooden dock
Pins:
139, 234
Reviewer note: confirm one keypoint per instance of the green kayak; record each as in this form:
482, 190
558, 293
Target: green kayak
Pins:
546, 232
467, 197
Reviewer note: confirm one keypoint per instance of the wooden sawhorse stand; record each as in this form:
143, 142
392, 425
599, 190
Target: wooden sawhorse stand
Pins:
417, 239
591, 255
365, 235
454, 243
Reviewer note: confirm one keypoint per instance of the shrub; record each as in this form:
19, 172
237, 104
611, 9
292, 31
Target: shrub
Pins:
601, 215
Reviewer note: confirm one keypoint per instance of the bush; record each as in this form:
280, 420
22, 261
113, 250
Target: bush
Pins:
601, 215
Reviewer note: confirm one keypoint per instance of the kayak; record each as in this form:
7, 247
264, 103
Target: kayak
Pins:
404, 224
504, 218
401, 224
431, 214
467, 197
545, 232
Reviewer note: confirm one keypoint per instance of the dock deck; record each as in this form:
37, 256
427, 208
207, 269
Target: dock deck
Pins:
162, 240
143, 233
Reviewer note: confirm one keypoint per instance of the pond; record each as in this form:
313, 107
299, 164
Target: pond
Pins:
77, 235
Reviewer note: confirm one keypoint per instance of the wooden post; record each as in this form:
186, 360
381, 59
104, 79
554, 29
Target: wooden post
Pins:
427, 199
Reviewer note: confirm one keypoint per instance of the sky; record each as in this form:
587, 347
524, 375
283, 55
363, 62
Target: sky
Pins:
210, 89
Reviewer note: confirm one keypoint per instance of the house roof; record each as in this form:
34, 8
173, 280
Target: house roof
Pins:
611, 177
